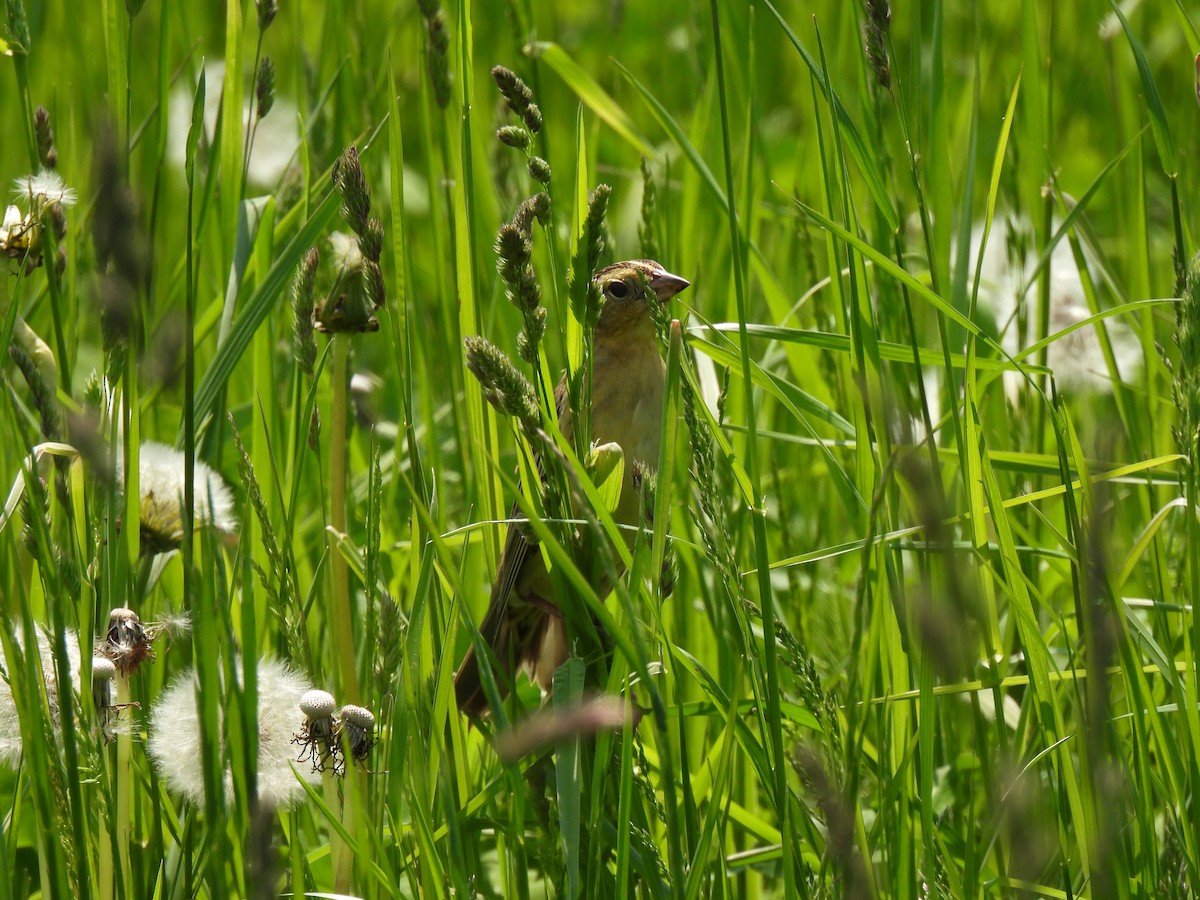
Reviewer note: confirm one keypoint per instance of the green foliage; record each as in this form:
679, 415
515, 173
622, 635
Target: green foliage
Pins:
912, 613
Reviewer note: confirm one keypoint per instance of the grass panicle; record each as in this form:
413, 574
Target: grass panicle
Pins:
875, 41
437, 63
358, 288
585, 298
503, 385
266, 11
264, 89
304, 342
47, 152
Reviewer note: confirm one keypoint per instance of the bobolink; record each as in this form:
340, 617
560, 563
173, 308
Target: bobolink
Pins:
523, 625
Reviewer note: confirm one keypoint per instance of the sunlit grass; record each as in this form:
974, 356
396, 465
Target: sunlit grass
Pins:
913, 615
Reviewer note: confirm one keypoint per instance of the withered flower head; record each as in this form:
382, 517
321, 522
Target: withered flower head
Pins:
126, 643
358, 726
319, 735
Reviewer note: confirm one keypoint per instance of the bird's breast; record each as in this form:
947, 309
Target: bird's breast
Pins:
627, 397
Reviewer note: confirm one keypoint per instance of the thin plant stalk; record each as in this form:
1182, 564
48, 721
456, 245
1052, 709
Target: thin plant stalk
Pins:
104, 865
339, 608
124, 774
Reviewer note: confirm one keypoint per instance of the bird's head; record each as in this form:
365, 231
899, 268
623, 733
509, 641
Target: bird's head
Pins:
628, 288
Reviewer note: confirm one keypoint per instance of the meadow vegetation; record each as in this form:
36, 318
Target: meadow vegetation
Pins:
289, 285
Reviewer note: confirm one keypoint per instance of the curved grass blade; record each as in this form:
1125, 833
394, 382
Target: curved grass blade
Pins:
863, 155
1154, 106
591, 94
258, 307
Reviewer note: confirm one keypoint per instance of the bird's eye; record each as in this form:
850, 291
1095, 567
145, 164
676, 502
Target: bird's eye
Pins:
618, 290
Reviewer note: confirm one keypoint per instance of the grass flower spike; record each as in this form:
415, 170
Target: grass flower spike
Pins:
358, 288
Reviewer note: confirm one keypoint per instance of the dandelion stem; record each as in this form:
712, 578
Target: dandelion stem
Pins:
339, 855
105, 864
343, 636
124, 775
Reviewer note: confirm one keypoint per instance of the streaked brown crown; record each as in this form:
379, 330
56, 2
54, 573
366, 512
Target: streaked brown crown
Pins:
626, 288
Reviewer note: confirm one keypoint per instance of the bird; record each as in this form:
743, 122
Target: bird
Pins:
523, 625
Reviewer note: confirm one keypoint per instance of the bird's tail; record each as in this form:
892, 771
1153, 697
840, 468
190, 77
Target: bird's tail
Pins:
538, 649
468, 687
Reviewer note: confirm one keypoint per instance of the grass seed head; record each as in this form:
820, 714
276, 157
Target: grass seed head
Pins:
47, 152
264, 88
503, 386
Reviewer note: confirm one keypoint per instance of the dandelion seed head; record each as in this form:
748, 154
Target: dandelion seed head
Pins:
50, 668
162, 473
126, 642
104, 671
10, 723
10, 726
319, 736
317, 704
44, 188
175, 742
279, 691
1008, 290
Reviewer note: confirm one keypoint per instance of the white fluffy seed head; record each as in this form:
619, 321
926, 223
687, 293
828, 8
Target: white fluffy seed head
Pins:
42, 189
10, 723
1006, 287
10, 727
162, 475
175, 743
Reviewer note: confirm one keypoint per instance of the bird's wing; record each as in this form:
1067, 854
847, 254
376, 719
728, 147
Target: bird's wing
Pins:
516, 544
495, 628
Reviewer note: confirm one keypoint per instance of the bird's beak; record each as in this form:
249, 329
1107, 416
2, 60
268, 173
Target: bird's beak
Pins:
665, 285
